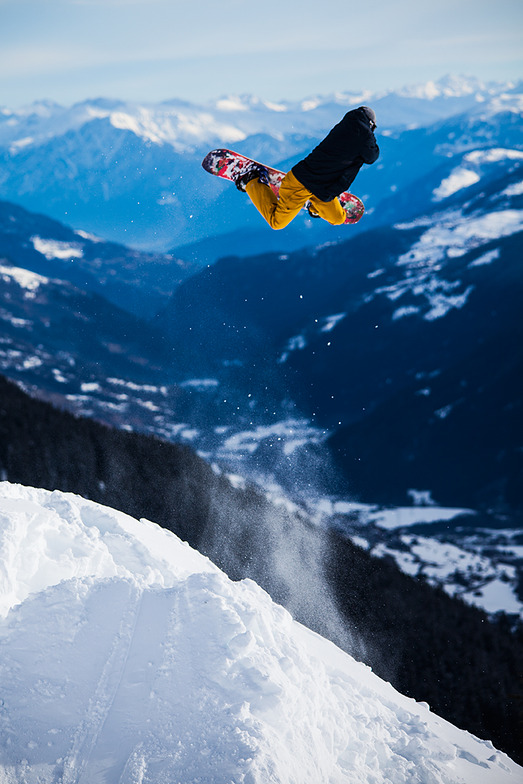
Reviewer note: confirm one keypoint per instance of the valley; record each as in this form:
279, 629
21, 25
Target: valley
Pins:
352, 374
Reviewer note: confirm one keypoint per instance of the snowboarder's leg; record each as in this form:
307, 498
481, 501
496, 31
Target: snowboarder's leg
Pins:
331, 211
278, 212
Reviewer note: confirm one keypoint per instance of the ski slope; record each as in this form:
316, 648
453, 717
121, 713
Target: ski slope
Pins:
126, 657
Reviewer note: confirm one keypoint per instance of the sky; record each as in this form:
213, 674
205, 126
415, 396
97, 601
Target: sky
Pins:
199, 50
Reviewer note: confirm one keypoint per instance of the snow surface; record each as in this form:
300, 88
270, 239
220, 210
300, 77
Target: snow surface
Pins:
452, 237
458, 179
25, 279
55, 249
128, 657
404, 516
469, 173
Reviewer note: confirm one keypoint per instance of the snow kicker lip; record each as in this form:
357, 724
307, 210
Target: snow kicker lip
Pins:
171, 669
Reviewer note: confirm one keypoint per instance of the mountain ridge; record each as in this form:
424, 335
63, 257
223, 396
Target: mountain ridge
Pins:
51, 248
354, 323
145, 154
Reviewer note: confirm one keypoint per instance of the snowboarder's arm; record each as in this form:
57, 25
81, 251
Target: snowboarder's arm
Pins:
370, 152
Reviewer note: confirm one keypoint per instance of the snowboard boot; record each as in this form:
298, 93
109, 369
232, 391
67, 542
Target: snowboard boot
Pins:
253, 172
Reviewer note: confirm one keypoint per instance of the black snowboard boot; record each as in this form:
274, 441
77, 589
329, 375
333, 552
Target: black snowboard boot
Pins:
253, 172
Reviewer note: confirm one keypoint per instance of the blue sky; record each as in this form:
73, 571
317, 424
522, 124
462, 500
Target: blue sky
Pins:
69, 50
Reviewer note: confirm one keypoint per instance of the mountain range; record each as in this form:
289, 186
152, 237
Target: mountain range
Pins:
423, 316
358, 371
120, 274
131, 173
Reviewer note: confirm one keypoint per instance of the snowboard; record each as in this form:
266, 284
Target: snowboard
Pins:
228, 165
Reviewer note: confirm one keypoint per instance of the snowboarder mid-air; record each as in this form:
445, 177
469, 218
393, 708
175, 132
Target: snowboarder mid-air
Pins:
320, 177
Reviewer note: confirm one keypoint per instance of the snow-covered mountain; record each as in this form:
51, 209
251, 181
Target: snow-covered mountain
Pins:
138, 282
61, 338
355, 346
186, 126
342, 329
403, 348
131, 173
127, 656
370, 383
407, 329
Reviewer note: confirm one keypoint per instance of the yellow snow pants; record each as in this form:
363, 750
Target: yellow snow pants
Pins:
278, 212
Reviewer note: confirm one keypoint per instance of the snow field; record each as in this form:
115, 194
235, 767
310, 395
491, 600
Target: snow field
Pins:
126, 657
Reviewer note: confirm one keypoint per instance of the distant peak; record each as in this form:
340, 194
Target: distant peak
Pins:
450, 86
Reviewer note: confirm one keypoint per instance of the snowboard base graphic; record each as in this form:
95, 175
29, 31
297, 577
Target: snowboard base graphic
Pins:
228, 165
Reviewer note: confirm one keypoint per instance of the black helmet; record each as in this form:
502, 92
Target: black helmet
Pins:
371, 116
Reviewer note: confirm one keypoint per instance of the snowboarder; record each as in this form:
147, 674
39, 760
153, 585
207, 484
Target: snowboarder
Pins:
320, 177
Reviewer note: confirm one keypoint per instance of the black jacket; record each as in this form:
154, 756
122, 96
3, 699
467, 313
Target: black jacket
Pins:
332, 166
